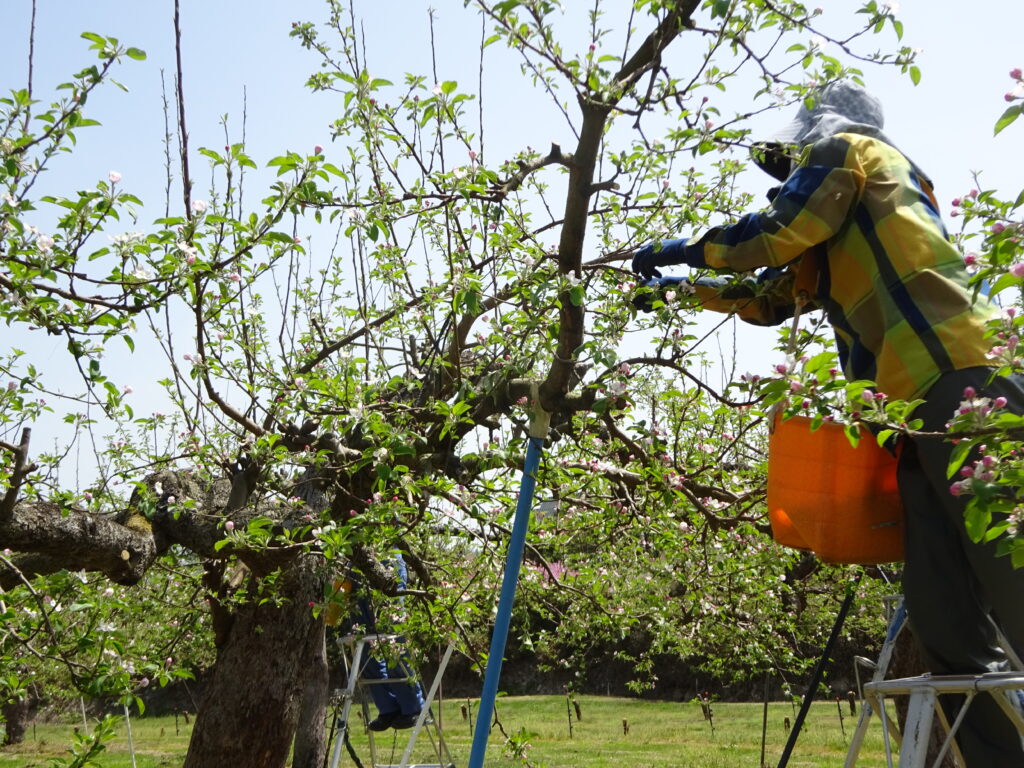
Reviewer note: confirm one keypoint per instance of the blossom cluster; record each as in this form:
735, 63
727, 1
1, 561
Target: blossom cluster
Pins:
1017, 92
982, 471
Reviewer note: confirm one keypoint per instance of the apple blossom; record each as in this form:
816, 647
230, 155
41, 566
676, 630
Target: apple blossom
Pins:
114, 177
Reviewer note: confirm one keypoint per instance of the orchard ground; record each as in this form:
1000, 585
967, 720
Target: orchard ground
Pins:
660, 735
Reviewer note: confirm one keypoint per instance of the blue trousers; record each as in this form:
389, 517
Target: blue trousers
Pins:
404, 697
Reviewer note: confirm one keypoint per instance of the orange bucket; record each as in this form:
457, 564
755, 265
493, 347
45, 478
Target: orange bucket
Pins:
824, 495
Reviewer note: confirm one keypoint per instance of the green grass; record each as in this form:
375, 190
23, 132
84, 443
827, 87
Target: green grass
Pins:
661, 735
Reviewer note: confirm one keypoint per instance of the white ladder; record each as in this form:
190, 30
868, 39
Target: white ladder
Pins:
353, 650
924, 692
924, 704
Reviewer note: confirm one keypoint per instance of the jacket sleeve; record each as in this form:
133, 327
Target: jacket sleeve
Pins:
811, 207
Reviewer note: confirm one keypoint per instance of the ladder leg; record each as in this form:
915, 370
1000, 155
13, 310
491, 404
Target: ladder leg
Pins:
426, 706
918, 731
896, 625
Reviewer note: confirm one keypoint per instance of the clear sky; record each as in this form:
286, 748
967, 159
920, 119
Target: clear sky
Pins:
944, 123
236, 46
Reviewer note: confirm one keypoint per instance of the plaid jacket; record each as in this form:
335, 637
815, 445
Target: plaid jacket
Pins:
893, 287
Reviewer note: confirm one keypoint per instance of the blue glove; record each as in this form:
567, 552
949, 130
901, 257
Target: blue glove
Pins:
646, 260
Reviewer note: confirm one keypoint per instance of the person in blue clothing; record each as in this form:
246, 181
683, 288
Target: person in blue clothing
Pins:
398, 703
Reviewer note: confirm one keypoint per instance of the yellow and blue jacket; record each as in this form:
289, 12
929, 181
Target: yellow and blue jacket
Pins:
891, 283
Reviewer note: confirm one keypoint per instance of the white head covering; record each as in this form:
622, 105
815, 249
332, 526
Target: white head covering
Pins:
839, 107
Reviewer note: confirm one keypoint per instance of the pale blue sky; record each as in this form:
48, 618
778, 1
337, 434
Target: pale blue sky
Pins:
945, 124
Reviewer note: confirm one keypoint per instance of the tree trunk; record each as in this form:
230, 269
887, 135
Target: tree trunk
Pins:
16, 716
250, 708
907, 662
310, 738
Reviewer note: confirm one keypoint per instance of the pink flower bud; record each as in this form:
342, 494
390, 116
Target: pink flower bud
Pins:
956, 202
998, 227
970, 259
999, 402
1017, 270
969, 392
229, 525
317, 149
956, 489
781, 368
1015, 73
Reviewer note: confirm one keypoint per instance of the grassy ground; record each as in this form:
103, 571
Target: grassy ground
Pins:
661, 735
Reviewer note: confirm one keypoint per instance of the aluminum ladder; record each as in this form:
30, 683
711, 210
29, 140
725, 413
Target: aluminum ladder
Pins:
924, 707
354, 650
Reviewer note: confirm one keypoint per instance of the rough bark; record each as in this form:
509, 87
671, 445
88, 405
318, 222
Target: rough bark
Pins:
16, 716
74, 541
310, 736
250, 709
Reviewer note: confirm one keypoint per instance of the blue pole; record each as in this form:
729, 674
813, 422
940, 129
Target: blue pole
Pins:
514, 558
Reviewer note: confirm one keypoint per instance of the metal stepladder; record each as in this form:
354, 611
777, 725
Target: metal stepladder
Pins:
355, 650
924, 692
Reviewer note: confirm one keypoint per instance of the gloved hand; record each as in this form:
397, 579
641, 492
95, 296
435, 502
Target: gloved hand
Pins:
646, 260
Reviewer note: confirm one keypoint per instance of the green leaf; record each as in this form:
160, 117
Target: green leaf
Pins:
956, 458
976, 521
136, 53
915, 75
720, 8
1017, 557
1008, 117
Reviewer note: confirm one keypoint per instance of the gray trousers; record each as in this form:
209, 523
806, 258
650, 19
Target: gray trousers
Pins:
955, 589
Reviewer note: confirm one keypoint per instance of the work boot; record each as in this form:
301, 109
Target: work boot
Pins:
384, 720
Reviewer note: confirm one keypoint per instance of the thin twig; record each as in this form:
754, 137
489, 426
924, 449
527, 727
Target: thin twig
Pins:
186, 179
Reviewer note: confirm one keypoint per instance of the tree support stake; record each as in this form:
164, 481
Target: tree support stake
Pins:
513, 560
